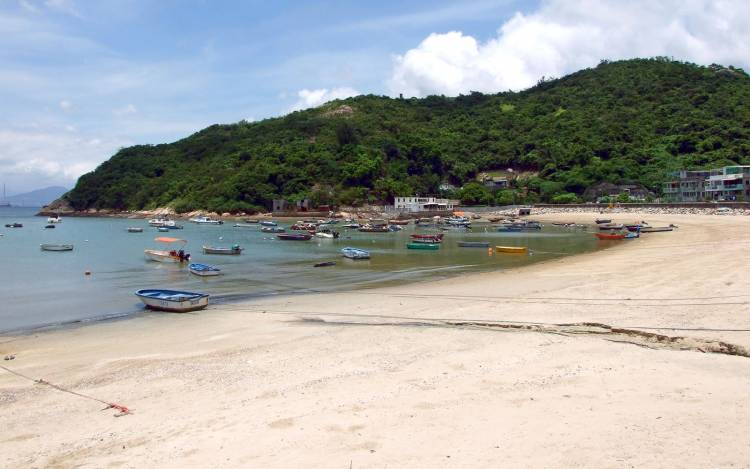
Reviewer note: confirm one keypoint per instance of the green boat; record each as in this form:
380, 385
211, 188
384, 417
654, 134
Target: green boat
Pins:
428, 246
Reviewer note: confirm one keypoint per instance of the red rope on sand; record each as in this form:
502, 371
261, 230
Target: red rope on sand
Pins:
110, 405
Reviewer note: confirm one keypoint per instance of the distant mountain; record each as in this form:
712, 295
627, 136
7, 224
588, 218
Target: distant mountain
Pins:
37, 198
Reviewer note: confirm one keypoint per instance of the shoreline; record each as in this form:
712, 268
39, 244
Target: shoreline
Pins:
329, 379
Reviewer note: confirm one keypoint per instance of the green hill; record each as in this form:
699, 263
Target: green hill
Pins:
622, 122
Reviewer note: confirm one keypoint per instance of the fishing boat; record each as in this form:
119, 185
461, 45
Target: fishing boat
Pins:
355, 253
368, 228
599, 221
427, 238
473, 244
303, 226
203, 220
656, 229
268, 223
609, 236
172, 300
56, 247
49, 226
54, 219
294, 237
157, 221
512, 249
399, 222
272, 229
173, 255
234, 250
245, 225
612, 227
14, 225
204, 270
324, 264
134, 229
423, 246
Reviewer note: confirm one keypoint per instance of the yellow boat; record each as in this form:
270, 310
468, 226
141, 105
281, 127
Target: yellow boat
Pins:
512, 249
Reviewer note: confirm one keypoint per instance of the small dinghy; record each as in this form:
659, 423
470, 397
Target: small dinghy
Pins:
473, 244
355, 253
172, 300
47, 227
512, 249
245, 225
656, 229
133, 229
204, 270
14, 225
56, 247
235, 250
423, 246
163, 229
269, 223
295, 237
272, 229
325, 264
609, 236
600, 221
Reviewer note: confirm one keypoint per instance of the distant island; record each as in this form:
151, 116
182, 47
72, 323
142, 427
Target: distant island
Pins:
626, 122
36, 198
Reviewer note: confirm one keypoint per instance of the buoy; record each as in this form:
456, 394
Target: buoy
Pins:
88, 272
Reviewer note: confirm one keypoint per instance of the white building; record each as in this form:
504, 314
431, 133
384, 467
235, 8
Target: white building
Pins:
425, 204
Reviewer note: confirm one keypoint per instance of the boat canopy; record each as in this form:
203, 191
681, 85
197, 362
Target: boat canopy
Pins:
165, 239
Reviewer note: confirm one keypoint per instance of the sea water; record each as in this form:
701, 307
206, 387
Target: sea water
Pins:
40, 288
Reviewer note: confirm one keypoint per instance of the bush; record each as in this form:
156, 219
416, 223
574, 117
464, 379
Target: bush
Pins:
566, 198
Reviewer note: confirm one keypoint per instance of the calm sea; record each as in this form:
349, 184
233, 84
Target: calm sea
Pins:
42, 288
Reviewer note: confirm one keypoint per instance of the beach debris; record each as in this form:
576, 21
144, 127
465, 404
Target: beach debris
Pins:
9, 357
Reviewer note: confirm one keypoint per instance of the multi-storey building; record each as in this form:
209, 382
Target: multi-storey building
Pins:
424, 204
727, 183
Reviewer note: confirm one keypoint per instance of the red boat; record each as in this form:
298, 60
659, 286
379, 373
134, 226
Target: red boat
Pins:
609, 236
427, 238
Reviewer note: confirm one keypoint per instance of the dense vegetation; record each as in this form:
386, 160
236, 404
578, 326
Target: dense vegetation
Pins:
622, 122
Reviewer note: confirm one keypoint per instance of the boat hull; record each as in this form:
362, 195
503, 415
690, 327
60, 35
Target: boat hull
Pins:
609, 237
56, 247
423, 246
473, 244
512, 249
223, 251
172, 300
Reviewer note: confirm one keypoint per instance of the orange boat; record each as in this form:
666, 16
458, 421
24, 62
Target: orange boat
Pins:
609, 236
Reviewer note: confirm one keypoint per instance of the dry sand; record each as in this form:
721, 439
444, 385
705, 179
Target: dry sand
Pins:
404, 377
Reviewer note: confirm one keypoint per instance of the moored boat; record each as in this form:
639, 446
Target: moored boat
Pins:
174, 255
134, 229
203, 220
56, 247
245, 225
14, 225
473, 244
656, 229
609, 236
599, 221
423, 246
204, 270
272, 229
54, 219
49, 226
269, 223
324, 264
512, 249
355, 253
611, 227
294, 236
368, 228
162, 229
232, 250
399, 222
352, 225
172, 300
252, 221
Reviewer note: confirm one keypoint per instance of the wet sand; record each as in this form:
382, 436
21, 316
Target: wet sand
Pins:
484, 370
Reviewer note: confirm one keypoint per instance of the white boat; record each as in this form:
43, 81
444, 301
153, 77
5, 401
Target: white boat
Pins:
172, 300
204, 270
56, 247
269, 223
55, 219
173, 255
325, 235
206, 221
235, 249
245, 225
355, 253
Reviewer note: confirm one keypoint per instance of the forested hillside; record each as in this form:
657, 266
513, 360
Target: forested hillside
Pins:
622, 122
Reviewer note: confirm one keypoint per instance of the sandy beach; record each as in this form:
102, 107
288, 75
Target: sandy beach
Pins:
634, 356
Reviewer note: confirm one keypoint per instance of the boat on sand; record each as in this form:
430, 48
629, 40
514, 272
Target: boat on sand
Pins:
172, 300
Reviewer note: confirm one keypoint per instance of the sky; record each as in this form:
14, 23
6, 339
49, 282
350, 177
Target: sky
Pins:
81, 78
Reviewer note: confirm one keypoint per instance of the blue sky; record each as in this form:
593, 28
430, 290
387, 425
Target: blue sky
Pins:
79, 79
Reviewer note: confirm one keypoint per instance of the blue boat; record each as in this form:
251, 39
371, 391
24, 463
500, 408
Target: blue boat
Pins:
172, 300
355, 253
204, 270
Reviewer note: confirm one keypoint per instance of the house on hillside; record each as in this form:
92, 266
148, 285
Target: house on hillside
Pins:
603, 190
281, 205
496, 182
424, 204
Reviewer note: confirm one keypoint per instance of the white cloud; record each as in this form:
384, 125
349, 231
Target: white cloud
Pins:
65, 104
314, 98
564, 36
63, 6
125, 110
